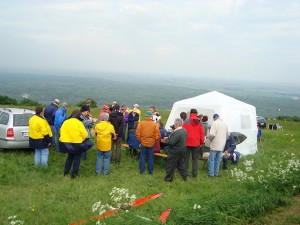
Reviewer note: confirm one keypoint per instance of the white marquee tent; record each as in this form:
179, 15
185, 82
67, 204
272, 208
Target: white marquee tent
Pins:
239, 116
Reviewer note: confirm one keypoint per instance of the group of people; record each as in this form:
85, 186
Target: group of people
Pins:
52, 128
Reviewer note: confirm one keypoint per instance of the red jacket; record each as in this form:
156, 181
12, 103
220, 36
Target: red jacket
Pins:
195, 132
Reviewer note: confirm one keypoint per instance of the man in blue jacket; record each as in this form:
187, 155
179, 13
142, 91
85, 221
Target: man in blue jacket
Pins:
49, 115
60, 117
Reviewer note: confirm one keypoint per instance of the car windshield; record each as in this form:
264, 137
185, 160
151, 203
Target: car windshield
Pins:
22, 119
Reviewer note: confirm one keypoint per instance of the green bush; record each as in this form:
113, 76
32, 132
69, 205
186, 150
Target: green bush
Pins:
28, 102
5, 100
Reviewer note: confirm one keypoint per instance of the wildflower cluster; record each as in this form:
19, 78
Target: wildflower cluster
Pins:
196, 206
280, 172
14, 221
120, 194
120, 197
241, 175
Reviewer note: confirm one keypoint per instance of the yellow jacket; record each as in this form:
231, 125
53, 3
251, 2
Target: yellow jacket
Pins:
104, 131
73, 131
39, 127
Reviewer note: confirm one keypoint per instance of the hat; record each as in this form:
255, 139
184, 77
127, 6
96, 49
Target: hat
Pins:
84, 108
56, 100
64, 104
216, 116
148, 114
105, 107
136, 105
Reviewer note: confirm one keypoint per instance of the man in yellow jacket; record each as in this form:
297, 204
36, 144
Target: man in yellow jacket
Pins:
105, 131
72, 136
147, 133
40, 136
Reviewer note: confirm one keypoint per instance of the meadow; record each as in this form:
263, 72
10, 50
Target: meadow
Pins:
243, 194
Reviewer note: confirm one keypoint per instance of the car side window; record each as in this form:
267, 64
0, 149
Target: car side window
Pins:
4, 117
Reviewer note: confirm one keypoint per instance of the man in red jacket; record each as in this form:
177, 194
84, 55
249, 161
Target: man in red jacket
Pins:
194, 140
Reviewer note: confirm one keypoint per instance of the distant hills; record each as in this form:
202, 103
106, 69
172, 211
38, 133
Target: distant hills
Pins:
270, 100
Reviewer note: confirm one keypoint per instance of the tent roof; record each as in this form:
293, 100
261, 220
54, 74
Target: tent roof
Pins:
213, 98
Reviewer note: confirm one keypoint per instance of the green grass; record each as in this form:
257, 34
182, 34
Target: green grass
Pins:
45, 196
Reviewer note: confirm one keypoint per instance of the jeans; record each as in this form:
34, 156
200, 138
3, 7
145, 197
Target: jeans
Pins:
149, 152
103, 157
75, 160
214, 162
57, 139
41, 156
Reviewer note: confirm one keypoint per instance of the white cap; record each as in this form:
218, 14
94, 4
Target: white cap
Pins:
136, 105
56, 100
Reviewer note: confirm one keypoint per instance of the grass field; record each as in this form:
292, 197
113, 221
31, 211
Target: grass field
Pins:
44, 196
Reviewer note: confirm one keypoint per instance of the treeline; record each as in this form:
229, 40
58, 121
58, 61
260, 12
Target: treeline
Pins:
6, 100
289, 118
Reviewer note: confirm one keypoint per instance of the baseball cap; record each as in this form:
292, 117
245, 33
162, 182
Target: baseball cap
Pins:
216, 116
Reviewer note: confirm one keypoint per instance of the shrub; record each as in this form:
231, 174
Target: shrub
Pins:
28, 102
5, 100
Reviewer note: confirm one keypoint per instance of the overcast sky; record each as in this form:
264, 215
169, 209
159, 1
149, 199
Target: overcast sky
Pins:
238, 39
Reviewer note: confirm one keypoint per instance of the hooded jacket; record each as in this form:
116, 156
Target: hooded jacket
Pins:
117, 120
104, 131
195, 132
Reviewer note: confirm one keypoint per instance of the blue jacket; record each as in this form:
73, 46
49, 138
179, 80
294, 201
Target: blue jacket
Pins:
49, 113
60, 117
132, 140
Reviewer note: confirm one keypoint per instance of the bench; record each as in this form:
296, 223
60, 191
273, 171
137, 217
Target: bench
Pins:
161, 155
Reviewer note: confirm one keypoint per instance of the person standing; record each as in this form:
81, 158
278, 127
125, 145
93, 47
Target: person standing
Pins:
40, 137
72, 136
87, 122
105, 132
49, 115
137, 108
176, 152
117, 120
125, 116
195, 139
217, 136
147, 133
155, 115
60, 117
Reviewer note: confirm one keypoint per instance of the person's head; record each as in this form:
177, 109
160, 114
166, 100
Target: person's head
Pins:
204, 118
136, 106
183, 115
200, 116
65, 105
193, 111
148, 114
152, 108
134, 111
104, 116
113, 103
177, 122
88, 102
39, 110
56, 101
85, 110
216, 116
123, 108
105, 108
116, 107
76, 114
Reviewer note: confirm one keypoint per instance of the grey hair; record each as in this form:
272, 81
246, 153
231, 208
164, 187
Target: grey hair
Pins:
105, 116
178, 122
